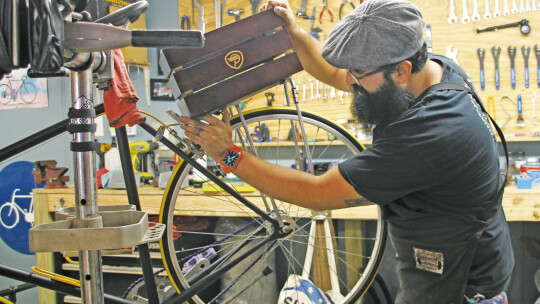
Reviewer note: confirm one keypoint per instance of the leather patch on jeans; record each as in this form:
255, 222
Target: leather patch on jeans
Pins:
429, 260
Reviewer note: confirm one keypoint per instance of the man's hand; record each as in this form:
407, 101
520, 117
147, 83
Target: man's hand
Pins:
212, 134
283, 9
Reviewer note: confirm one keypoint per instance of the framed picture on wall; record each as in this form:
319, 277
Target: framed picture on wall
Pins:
160, 90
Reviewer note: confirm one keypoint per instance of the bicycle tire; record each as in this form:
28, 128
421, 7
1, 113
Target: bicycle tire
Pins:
375, 229
28, 92
5, 94
15, 217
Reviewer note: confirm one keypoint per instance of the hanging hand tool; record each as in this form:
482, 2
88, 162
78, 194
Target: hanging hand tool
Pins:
269, 98
314, 32
217, 13
487, 14
254, 6
333, 93
475, 16
512, 55
525, 28
506, 11
496, 11
317, 94
520, 120
325, 9
200, 18
452, 14
312, 97
481, 55
428, 38
521, 7
496, 52
324, 92
304, 91
537, 53
236, 13
343, 3
185, 24
340, 94
514, 7
491, 107
465, 17
508, 116
452, 54
302, 11
526, 51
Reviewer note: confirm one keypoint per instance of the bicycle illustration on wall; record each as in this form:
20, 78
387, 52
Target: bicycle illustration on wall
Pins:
9, 211
10, 90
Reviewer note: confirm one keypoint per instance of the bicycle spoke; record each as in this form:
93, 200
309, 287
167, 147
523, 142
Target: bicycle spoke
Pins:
357, 252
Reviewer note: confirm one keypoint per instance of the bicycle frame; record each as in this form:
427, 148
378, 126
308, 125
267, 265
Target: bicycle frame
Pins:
123, 145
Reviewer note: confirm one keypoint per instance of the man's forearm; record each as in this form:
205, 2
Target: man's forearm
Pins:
293, 186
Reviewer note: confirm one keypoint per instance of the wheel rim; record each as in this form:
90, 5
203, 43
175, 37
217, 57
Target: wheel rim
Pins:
373, 231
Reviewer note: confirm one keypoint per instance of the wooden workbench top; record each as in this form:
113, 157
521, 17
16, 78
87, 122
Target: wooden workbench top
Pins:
519, 205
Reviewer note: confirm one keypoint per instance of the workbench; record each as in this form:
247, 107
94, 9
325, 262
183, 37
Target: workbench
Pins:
519, 205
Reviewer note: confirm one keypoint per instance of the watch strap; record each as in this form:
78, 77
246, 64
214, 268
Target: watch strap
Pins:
225, 167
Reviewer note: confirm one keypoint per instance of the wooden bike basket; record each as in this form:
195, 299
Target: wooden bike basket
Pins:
237, 61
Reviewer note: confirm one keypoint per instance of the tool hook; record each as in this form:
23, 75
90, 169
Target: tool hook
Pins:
325, 9
342, 5
452, 54
185, 24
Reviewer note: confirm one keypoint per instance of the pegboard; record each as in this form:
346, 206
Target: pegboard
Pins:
460, 36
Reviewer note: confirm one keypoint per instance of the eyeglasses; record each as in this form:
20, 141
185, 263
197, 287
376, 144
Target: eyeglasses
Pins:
357, 79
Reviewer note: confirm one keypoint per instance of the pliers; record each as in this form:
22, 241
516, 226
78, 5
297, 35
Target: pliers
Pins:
343, 4
324, 8
185, 24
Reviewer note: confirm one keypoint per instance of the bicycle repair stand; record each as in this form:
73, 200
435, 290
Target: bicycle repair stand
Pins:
87, 228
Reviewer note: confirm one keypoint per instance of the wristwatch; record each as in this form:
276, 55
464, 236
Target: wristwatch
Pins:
231, 158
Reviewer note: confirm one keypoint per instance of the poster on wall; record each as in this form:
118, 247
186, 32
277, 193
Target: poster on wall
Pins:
18, 91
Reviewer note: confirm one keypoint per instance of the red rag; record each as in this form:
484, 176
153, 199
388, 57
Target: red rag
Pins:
120, 99
99, 174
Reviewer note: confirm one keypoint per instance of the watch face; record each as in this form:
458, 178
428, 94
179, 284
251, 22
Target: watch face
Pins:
230, 158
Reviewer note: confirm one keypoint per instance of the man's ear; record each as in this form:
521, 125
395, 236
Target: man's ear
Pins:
404, 69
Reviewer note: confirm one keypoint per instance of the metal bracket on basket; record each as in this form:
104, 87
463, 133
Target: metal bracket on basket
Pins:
113, 229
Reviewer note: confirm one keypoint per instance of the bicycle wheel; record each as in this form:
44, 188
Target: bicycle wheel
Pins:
5, 94
28, 92
9, 216
345, 246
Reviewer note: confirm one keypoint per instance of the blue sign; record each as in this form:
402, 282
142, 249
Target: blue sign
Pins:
16, 204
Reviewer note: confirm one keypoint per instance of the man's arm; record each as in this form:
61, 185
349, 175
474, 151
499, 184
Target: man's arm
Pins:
323, 192
308, 48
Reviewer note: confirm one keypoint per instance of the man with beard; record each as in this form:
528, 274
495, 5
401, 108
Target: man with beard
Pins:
433, 166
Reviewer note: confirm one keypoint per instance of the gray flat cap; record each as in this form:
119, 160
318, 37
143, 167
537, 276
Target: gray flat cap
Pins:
376, 33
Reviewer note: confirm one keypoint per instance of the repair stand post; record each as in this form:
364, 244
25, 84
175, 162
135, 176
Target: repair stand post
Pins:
86, 187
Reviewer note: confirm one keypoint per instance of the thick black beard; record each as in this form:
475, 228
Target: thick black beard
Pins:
382, 106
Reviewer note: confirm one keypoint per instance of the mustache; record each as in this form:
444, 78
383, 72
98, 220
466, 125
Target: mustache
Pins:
359, 89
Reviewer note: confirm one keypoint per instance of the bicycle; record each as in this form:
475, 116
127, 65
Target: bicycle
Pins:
26, 90
9, 211
341, 251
